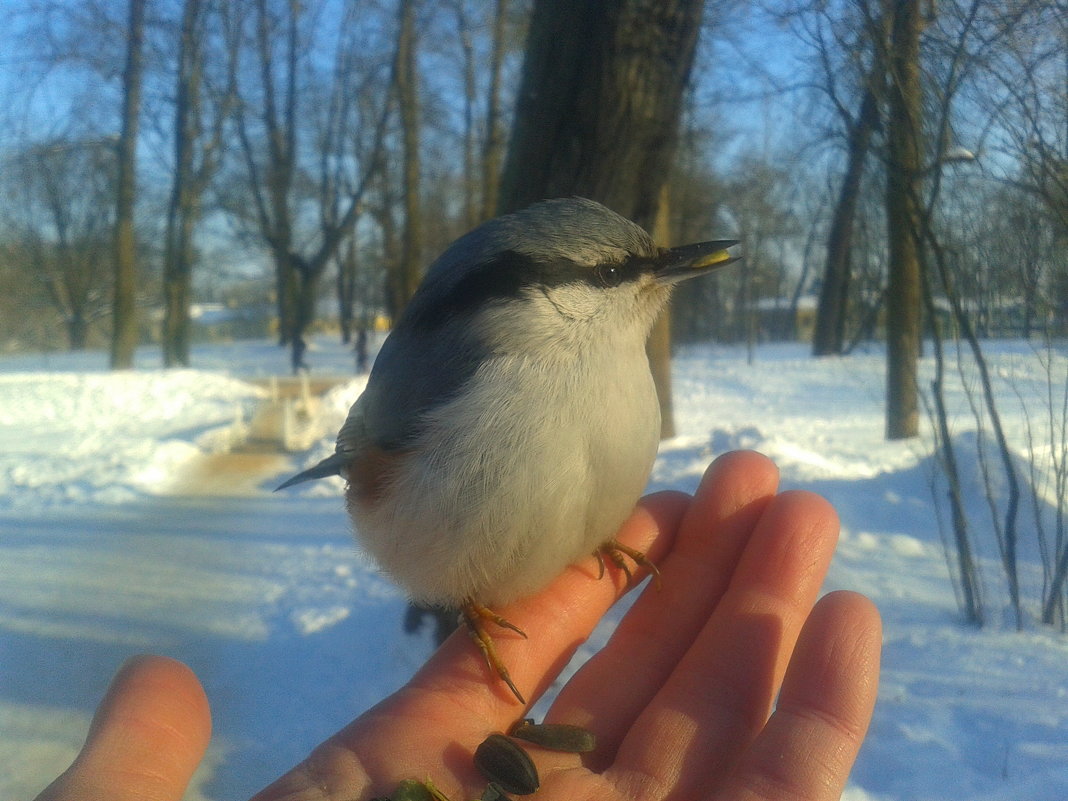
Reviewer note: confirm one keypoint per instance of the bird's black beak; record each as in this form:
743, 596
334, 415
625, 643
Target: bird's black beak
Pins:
690, 261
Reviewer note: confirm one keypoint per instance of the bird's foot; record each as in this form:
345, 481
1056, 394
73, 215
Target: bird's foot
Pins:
475, 616
615, 551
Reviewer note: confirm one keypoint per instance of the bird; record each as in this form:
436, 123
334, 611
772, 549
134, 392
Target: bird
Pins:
510, 421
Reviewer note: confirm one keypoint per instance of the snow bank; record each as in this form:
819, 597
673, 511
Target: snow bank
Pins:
108, 438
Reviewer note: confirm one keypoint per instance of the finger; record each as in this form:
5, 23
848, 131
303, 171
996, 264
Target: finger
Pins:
811, 741
662, 625
557, 621
146, 739
457, 699
719, 696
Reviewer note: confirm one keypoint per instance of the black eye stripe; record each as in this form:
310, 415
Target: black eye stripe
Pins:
506, 276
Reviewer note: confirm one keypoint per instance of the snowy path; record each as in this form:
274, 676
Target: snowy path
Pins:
264, 597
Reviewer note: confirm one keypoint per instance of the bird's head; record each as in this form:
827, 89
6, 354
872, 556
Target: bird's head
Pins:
567, 268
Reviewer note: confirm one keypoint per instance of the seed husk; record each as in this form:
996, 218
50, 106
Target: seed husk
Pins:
503, 762
556, 736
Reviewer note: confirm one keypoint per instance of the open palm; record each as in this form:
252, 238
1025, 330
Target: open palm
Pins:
681, 698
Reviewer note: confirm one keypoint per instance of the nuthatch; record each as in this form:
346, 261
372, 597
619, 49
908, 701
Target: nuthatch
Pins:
510, 421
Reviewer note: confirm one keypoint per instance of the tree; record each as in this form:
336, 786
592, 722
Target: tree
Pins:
903, 173
196, 158
832, 311
125, 332
493, 149
758, 199
845, 40
404, 278
278, 179
63, 227
598, 108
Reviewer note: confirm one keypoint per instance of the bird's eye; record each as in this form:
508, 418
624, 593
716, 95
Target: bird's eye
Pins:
609, 275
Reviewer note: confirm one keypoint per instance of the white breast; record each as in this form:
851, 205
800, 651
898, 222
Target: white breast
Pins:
532, 468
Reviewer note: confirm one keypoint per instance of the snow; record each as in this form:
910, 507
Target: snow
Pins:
102, 555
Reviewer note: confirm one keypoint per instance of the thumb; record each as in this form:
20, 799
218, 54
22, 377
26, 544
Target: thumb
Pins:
146, 739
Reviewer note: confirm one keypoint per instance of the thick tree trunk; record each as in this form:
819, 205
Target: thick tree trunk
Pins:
125, 331
599, 103
903, 298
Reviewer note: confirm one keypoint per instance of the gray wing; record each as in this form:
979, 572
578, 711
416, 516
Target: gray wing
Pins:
414, 373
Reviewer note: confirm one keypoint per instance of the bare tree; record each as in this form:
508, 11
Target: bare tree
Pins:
277, 177
63, 220
846, 41
757, 200
903, 178
493, 148
466, 35
125, 332
829, 336
198, 140
405, 277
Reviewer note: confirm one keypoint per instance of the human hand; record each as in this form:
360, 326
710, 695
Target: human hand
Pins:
679, 698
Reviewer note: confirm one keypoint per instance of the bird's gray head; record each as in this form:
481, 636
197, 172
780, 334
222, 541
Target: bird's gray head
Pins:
552, 265
563, 278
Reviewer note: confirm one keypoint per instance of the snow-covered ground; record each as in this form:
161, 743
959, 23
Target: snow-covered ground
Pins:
293, 632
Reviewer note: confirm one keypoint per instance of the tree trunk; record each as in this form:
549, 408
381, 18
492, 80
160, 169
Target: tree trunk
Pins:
182, 208
283, 168
829, 336
77, 332
467, 47
593, 70
903, 310
406, 84
346, 289
175, 335
125, 325
307, 296
493, 149
387, 223
287, 289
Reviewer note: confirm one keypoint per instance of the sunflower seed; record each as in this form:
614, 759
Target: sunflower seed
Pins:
503, 762
556, 736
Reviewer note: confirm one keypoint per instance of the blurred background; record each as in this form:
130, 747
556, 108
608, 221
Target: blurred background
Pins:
280, 166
